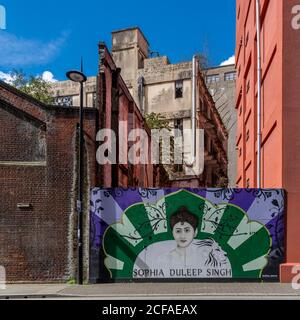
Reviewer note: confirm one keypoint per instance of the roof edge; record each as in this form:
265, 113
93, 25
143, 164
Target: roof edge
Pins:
132, 28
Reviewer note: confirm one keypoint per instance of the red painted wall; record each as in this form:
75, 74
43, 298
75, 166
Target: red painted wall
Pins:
280, 45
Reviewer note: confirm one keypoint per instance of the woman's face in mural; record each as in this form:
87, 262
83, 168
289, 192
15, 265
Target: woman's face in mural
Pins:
184, 233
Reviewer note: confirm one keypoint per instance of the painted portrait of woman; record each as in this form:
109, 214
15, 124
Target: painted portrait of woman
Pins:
185, 255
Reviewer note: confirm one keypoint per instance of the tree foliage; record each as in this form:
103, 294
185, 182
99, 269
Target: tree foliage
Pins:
36, 87
157, 121
203, 61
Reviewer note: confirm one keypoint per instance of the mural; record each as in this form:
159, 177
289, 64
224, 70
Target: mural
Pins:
186, 233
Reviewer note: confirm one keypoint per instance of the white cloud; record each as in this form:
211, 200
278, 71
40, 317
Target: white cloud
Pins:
16, 51
48, 76
6, 77
229, 61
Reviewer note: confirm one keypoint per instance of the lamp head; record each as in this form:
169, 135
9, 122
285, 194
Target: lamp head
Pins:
76, 76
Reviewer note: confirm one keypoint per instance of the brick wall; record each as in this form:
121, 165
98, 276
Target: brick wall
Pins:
39, 243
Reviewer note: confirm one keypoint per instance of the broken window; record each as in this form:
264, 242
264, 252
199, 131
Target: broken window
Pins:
230, 76
66, 101
213, 78
178, 125
94, 100
178, 89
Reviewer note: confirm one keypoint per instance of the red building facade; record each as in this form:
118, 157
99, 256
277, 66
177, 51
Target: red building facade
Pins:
280, 113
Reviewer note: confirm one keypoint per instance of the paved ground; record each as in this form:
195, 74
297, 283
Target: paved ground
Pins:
152, 291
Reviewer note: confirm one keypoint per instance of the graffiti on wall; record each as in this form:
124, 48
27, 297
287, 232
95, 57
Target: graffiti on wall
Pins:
186, 233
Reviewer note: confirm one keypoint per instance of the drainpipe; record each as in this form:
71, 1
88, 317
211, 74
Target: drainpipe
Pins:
259, 135
194, 109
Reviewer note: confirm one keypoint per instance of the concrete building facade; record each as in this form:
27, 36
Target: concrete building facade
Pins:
166, 89
158, 86
66, 93
280, 113
221, 84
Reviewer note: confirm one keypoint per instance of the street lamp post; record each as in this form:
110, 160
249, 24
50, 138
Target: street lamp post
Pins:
79, 77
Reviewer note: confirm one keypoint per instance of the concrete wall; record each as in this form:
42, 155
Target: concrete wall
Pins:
160, 98
223, 93
129, 49
71, 89
159, 86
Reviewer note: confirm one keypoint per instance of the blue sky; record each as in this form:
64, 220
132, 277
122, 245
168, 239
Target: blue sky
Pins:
52, 35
